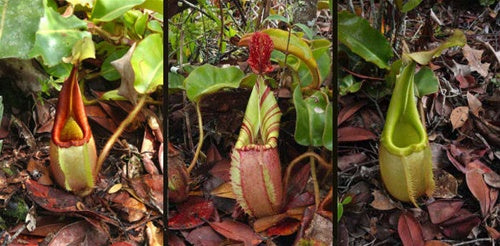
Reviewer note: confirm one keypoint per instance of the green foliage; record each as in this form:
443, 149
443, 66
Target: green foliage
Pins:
17, 40
424, 57
147, 62
208, 79
409, 5
108, 10
425, 82
310, 126
357, 34
348, 85
487, 2
340, 207
57, 35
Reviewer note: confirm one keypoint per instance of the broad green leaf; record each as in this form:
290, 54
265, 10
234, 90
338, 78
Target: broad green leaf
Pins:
147, 62
357, 34
108, 10
56, 36
155, 26
19, 22
155, 5
424, 57
328, 132
112, 95
249, 80
426, 82
348, 85
322, 57
311, 117
390, 78
61, 71
107, 70
296, 47
208, 79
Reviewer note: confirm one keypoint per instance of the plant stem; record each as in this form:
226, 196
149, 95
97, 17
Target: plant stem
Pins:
310, 154
315, 182
200, 141
111, 141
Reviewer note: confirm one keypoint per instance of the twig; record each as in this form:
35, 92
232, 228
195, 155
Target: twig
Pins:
111, 141
200, 141
474, 241
315, 182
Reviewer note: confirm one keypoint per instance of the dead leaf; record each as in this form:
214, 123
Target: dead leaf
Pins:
284, 228
347, 111
346, 161
493, 233
204, 236
497, 53
460, 226
134, 208
155, 235
446, 184
39, 171
459, 116
409, 230
462, 74
442, 210
319, 230
224, 190
474, 104
381, 201
479, 189
492, 179
124, 67
191, 213
353, 134
473, 56
236, 231
436, 243
79, 233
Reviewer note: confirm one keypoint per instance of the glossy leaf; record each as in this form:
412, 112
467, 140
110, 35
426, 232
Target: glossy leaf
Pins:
322, 57
296, 47
349, 85
311, 118
424, 57
17, 40
147, 63
208, 79
57, 35
108, 10
426, 82
328, 132
357, 34
404, 153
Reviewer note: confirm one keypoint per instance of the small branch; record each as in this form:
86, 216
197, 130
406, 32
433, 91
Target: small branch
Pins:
111, 141
315, 182
200, 141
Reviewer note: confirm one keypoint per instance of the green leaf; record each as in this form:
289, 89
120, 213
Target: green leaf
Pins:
424, 57
108, 10
411, 4
311, 117
349, 85
19, 22
147, 62
175, 82
357, 34
277, 18
57, 35
308, 31
208, 79
426, 82
140, 24
82, 49
322, 57
112, 95
107, 70
155, 5
328, 132
155, 26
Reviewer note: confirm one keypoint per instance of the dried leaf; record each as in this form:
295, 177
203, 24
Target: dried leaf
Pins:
493, 233
79, 233
353, 134
236, 231
381, 201
346, 161
284, 228
347, 111
442, 210
474, 104
461, 225
436, 243
473, 56
459, 116
409, 230
479, 189
224, 190
192, 213
155, 235
124, 67
204, 236
446, 184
